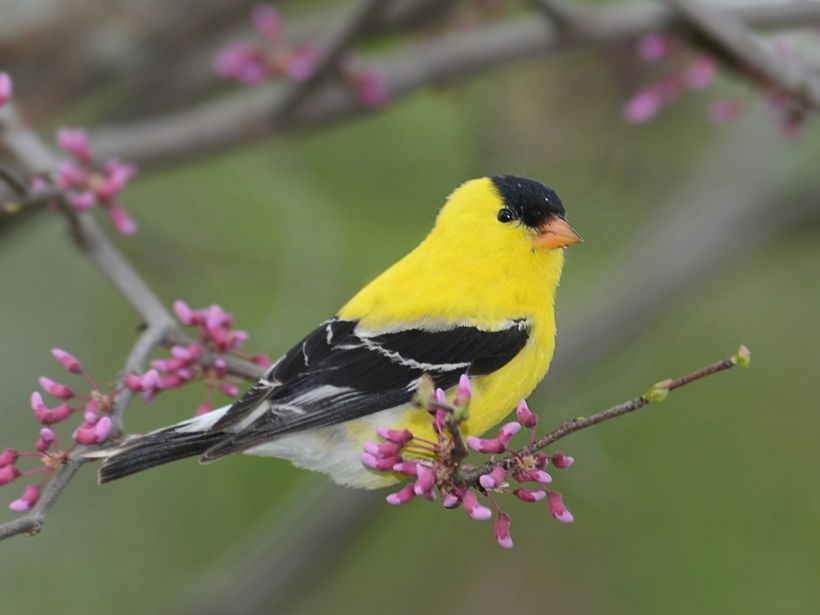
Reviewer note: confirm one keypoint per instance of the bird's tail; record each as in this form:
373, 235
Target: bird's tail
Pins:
137, 453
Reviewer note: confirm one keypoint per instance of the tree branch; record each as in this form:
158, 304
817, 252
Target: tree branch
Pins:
733, 40
218, 124
332, 52
470, 475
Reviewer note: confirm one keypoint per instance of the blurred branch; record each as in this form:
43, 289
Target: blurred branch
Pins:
330, 54
735, 41
470, 475
221, 123
33, 156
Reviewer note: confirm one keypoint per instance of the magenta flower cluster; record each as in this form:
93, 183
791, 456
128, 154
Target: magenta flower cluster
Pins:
686, 72
94, 428
87, 184
272, 56
217, 340
433, 468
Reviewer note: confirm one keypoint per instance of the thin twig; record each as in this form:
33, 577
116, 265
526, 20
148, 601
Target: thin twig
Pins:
470, 475
331, 54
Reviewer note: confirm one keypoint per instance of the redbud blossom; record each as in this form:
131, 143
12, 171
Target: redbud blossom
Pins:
465, 391
266, 20
506, 433
654, 47
8, 457
8, 474
49, 416
525, 495
494, 479
557, 508
525, 416
399, 436
403, 496
700, 74
67, 360
502, 531
451, 500
75, 142
371, 88
473, 508
409, 468
643, 106
93, 434
122, 220
426, 479
561, 461
44, 441
485, 446
184, 313
55, 389
379, 463
28, 499
6, 88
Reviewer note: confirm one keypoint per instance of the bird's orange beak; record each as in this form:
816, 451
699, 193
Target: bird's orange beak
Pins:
556, 234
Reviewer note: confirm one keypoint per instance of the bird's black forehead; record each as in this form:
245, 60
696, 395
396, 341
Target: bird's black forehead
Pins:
531, 201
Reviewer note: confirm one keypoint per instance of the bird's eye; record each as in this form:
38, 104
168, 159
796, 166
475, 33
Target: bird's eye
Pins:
505, 215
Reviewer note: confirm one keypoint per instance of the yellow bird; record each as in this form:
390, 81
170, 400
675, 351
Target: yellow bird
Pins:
475, 296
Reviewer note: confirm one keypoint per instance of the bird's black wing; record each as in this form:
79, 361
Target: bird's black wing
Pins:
337, 374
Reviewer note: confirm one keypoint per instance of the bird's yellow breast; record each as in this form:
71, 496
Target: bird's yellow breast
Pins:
470, 273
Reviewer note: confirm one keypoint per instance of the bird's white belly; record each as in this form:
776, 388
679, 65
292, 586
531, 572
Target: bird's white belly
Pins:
333, 450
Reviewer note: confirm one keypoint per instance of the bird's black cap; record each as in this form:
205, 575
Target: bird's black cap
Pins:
532, 202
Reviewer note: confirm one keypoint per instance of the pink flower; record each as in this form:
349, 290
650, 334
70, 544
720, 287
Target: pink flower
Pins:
403, 496
204, 408
700, 74
408, 468
243, 62
451, 500
300, 64
493, 479
473, 508
266, 20
482, 445
183, 312
561, 461
28, 499
8, 474
382, 449
75, 142
82, 201
525, 416
6, 88
121, 220
93, 434
643, 106
465, 391
502, 531
55, 389
379, 463
654, 47
44, 441
557, 508
506, 433
372, 89
49, 416
525, 495
426, 479
67, 360
8, 457
399, 436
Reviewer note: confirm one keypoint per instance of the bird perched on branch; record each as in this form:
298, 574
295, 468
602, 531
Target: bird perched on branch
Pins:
475, 296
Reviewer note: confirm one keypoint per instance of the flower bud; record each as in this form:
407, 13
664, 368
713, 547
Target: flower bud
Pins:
399, 436
426, 479
561, 461
55, 389
403, 496
489, 447
525, 495
474, 509
8, 457
525, 416
28, 499
557, 508
502, 531
493, 479
67, 360
8, 474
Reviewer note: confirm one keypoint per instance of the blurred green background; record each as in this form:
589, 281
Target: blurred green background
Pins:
706, 503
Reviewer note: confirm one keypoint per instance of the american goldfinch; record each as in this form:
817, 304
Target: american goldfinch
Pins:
476, 296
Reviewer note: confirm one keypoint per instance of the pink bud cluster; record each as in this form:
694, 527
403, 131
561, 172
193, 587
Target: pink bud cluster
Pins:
272, 56
94, 428
433, 469
6, 88
87, 184
217, 340
691, 73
